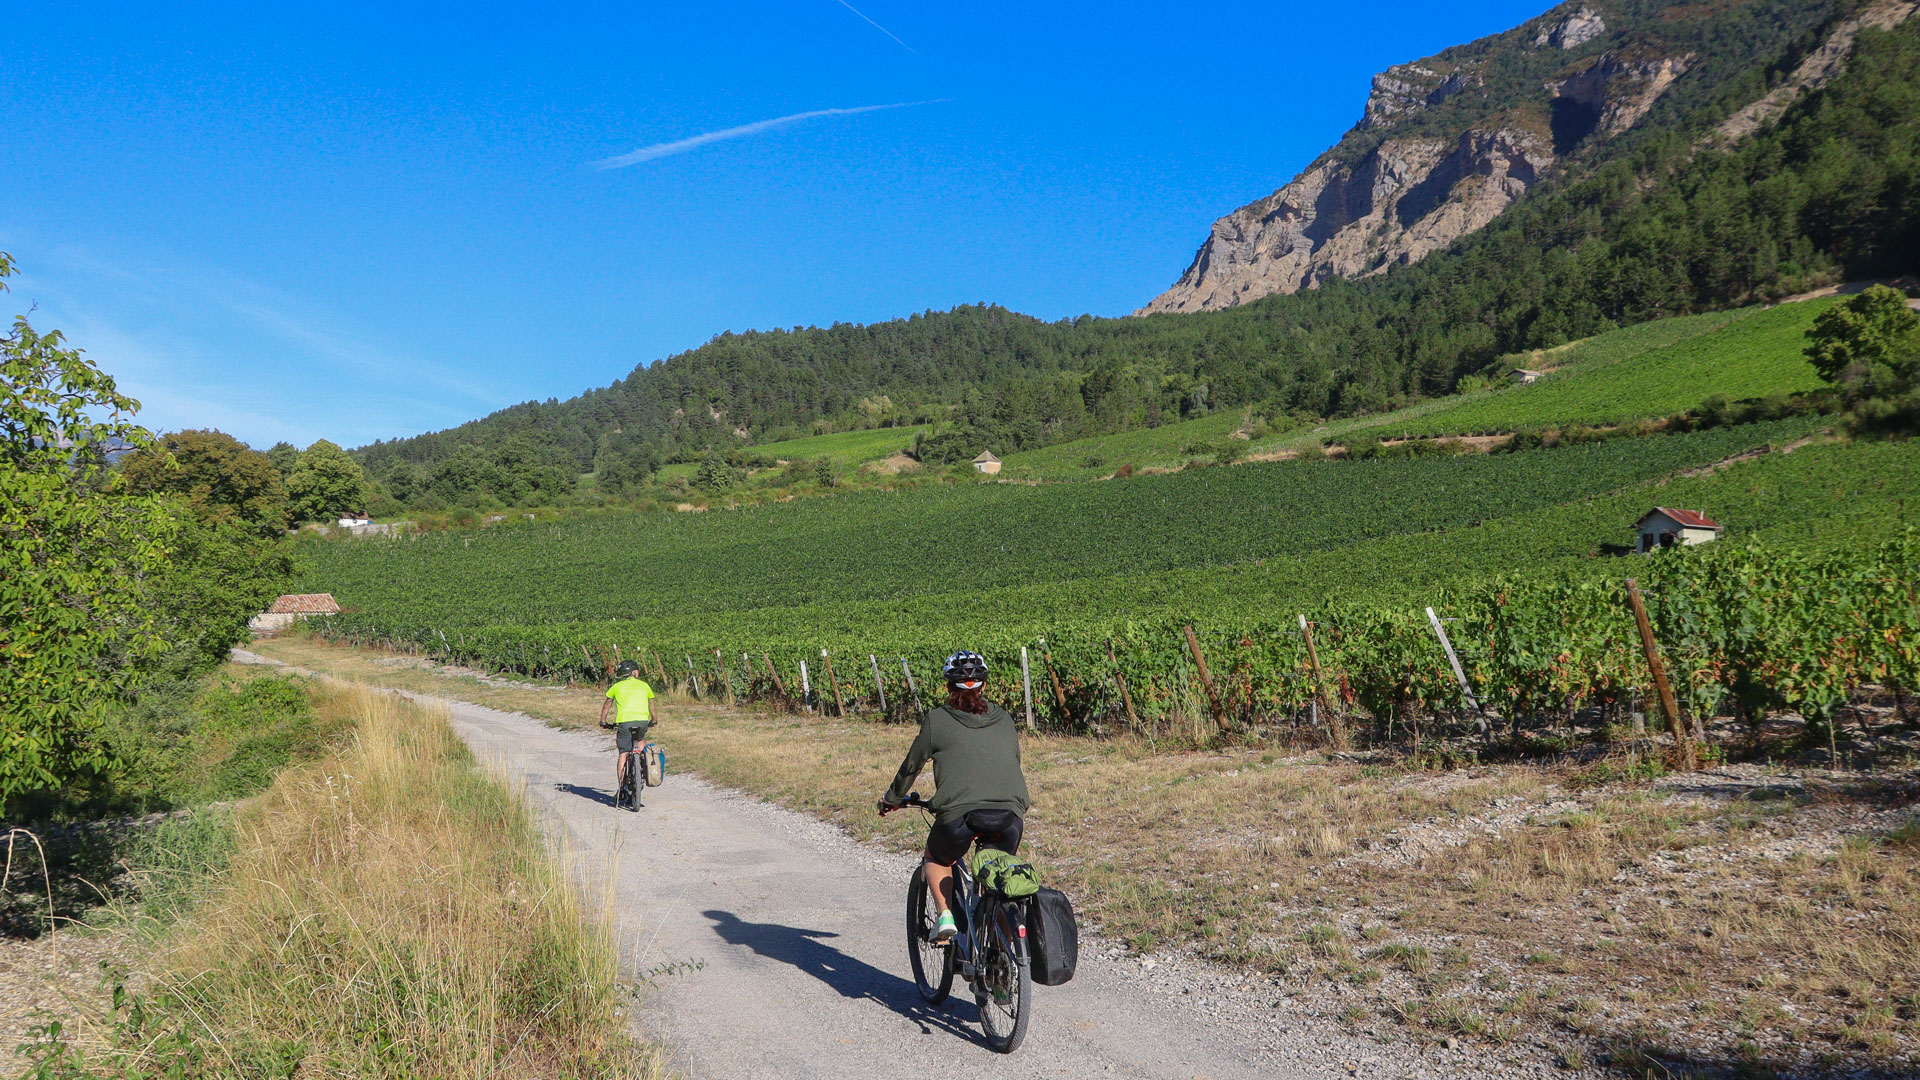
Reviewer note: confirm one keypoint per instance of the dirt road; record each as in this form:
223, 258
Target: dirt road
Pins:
781, 943
771, 945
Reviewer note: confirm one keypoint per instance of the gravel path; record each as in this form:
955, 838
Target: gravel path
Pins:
53, 977
770, 944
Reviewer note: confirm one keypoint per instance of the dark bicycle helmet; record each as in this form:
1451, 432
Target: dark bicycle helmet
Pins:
626, 669
965, 667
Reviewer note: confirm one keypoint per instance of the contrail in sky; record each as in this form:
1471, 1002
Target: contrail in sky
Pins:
681, 146
877, 26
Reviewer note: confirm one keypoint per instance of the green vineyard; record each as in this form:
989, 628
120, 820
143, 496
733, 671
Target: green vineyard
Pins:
1742, 625
1100, 581
1648, 371
878, 547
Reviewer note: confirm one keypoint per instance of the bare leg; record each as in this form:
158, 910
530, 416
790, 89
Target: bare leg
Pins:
940, 883
619, 768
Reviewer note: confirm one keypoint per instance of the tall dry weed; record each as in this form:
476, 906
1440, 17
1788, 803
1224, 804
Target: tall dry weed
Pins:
391, 911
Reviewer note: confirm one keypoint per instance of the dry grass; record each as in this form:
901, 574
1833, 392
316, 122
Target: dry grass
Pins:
389, 911
1776, 923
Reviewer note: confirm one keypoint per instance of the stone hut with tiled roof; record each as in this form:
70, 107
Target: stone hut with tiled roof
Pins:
283, 611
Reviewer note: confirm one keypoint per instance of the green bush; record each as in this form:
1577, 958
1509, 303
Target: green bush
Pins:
184, 743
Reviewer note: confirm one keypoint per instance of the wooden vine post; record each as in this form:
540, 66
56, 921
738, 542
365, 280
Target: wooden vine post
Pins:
1453, 658
1126, 699
1206, 679
915, 690
879, 687
839, 704
1682, 741
1336, 724
1059, 694
774, 673
726, 673
1026, 685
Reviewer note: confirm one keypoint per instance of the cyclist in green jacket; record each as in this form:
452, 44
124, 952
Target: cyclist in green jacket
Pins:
980, 792
630, 700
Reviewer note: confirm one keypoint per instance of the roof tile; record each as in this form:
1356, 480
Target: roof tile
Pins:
305, 604
1692, 519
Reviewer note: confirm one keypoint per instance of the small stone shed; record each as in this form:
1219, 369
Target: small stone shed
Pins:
1666, 526
986, 463
283, 611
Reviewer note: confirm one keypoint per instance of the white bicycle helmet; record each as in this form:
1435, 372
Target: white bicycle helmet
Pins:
967, 670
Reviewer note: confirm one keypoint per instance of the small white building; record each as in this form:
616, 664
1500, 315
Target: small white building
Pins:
1525, 376
349, 520
1665, 527
986, 463
291, 606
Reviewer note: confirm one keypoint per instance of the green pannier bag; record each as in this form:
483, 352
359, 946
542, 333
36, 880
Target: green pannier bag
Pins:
1004, 876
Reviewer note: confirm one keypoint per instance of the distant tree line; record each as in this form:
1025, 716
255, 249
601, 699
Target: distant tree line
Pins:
227, 482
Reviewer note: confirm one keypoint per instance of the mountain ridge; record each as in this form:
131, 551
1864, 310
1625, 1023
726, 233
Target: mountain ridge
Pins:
1448, 143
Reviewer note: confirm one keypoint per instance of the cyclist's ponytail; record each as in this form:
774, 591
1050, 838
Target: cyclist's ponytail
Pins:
970, 701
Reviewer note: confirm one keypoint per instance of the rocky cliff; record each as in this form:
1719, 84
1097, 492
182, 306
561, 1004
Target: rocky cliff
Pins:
1444, 145
1400, 201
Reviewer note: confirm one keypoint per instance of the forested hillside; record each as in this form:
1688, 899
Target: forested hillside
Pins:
1659, 225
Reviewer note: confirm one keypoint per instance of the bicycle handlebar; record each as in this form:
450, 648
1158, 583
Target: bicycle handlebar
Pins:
913, 799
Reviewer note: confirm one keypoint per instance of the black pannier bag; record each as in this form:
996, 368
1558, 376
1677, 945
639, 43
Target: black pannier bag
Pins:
1053, 939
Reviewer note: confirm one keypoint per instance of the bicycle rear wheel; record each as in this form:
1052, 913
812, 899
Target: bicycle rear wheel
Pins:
629, 796
932, 964
1004, 990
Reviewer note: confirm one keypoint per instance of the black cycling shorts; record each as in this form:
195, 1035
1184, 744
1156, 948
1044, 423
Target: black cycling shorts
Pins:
629, 736
948, 841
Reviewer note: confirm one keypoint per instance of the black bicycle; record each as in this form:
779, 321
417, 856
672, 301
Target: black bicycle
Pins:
990, 951
631, 785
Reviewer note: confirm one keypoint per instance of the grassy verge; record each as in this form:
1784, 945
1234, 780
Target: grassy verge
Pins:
383, 911
182, 749
1751, 916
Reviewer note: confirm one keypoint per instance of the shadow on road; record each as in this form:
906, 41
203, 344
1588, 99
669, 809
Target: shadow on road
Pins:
590, 794
852, 978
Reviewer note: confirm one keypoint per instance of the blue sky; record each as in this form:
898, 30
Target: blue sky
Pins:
352, 222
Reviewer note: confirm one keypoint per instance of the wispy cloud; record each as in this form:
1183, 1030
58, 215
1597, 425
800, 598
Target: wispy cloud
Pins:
200, 346
877, 26
681, 146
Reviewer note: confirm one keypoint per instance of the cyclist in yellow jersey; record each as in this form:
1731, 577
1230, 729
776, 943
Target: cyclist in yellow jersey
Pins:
630, 701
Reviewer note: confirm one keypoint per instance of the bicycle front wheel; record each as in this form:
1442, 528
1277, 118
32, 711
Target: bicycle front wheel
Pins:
1004, 991
932, 964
